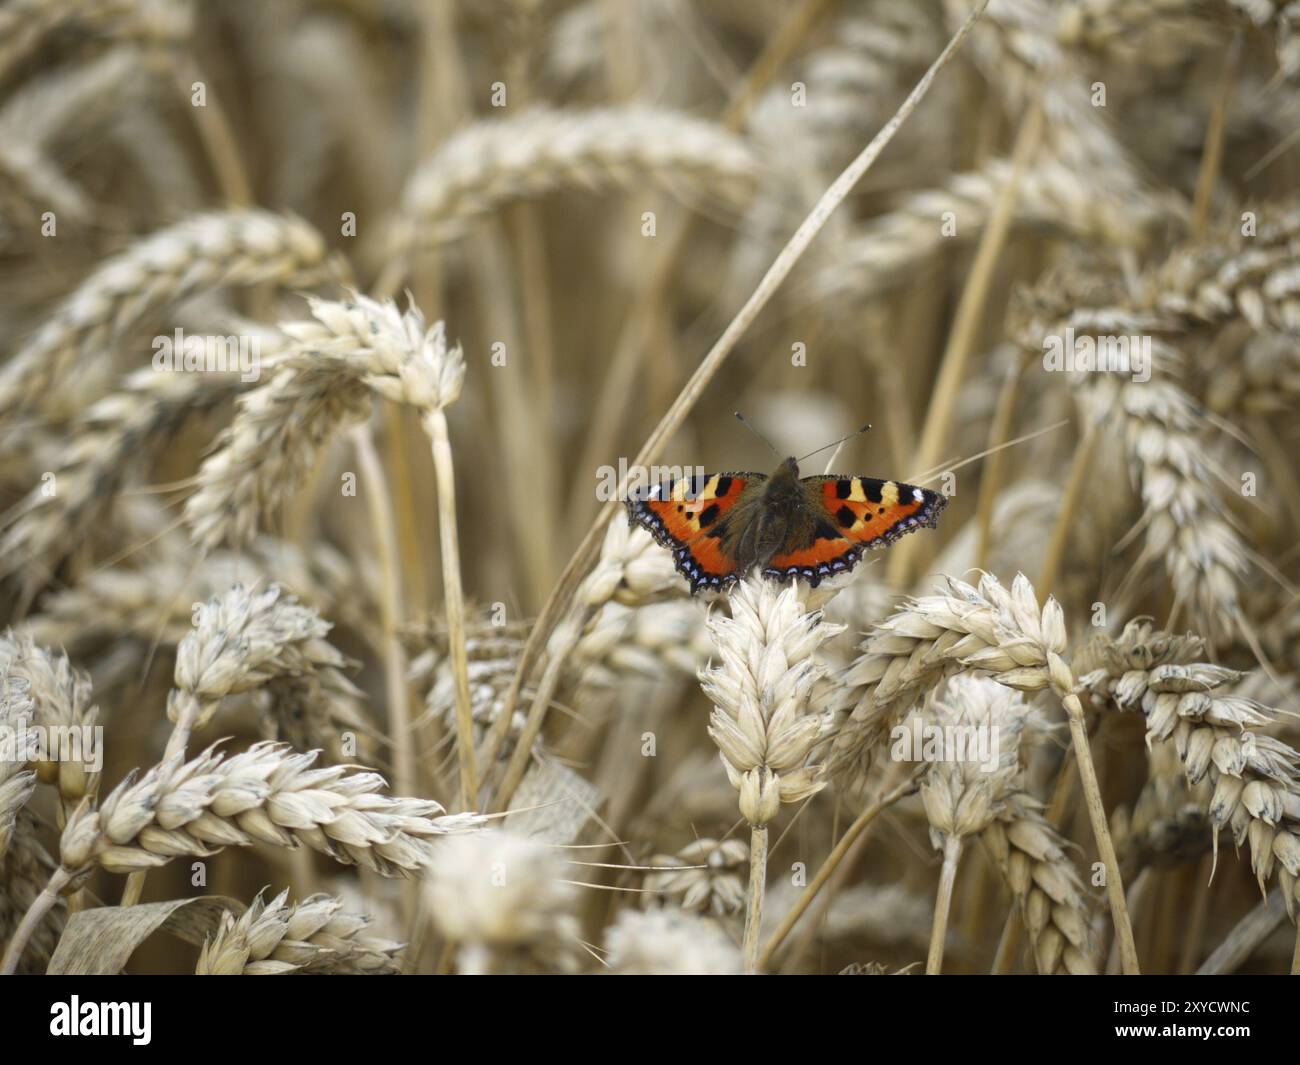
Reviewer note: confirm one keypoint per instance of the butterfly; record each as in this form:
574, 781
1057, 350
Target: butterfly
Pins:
722, 526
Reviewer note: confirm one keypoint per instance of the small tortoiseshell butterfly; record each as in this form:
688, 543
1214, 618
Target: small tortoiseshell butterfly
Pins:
722, 526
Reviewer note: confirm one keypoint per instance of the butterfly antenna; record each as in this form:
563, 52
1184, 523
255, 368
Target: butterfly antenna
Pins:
765, 440
836, 443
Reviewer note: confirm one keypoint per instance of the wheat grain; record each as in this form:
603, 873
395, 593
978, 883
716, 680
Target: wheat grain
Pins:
267, 794
765, 721
24, 864
61, 702
875, 255
241, 640
930, 638
1033, 859
705, 875
313, 936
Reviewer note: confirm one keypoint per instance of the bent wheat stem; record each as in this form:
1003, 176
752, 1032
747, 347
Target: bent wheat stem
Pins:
32, 919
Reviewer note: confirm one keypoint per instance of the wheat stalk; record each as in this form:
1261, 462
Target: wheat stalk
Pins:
961, 795
109, 441
1032, 857
410, 364
968, 798
242, 640
156, 601
268, 794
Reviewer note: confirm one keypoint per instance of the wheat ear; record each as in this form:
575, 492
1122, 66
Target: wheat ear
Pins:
502, 901
764, 721
24, 865
279, 937
982, 627
199, 254
1190, 703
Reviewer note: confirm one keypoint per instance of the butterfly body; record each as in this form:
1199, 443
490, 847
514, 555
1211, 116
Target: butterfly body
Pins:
722, 526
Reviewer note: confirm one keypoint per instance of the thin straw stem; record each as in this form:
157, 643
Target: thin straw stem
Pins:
379, 505
435, 424
942, 904
1101, 833
754, 901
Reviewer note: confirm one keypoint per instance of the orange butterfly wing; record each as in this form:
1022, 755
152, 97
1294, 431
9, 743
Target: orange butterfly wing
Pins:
687, 517
875, 513
855, 514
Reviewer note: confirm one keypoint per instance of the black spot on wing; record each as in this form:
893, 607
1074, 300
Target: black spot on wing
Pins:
843, 488
826, 531
708, 515
846, 517
723, 486
872, 490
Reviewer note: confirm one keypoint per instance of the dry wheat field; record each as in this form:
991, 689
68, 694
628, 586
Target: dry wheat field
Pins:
382, 589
